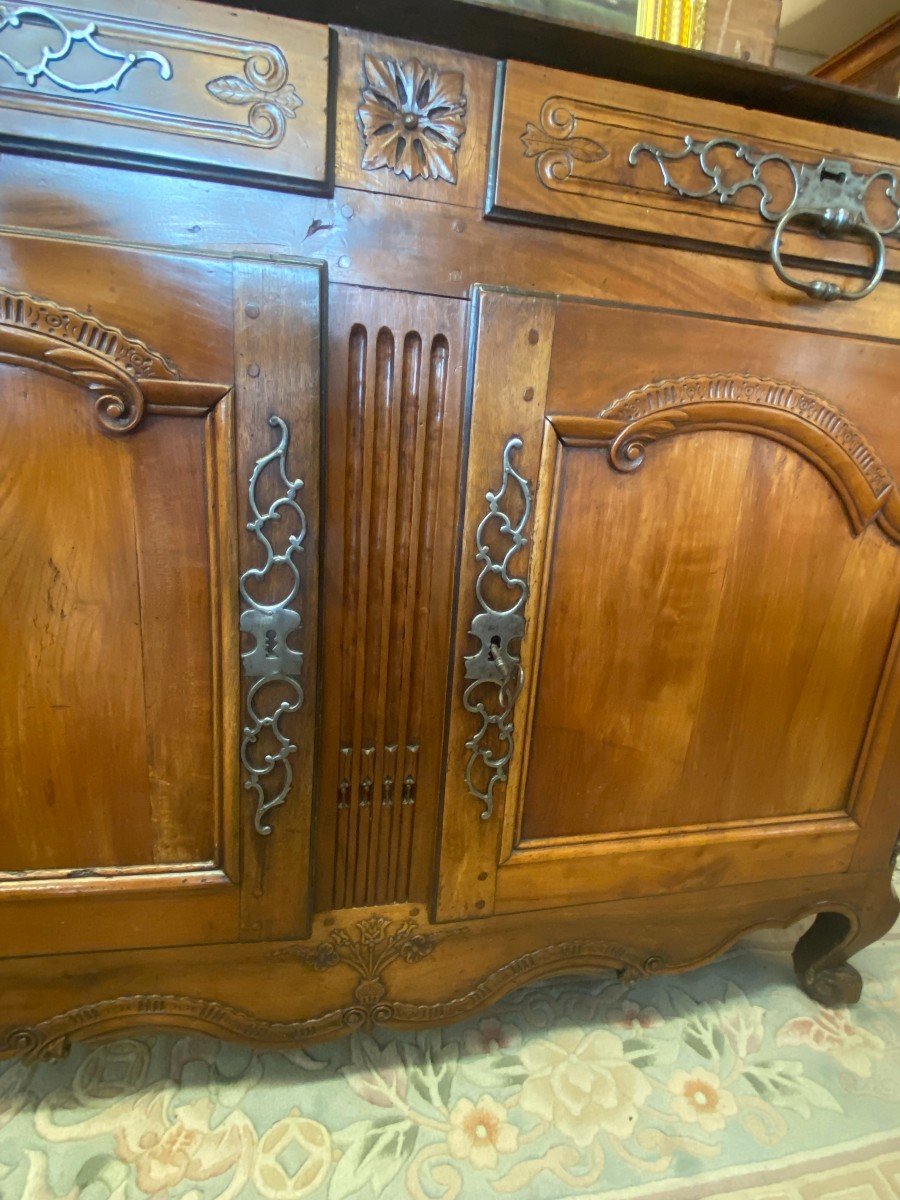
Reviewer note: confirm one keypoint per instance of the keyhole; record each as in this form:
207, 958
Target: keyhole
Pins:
495, 646
271, 643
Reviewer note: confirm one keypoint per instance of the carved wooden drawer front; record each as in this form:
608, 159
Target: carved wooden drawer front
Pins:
589, 151
195, 89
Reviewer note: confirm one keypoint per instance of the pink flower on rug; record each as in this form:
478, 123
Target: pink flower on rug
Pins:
701, 1099
582, 1083
832, 1032
490, 1036
481, 1132
166, 1151
634, 1018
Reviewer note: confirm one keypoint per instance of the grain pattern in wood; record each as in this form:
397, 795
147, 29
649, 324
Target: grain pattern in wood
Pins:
277, 353
709, 545
749, 695
219, 989
513, 347
386, 241
179, 88
393, 425
563, 153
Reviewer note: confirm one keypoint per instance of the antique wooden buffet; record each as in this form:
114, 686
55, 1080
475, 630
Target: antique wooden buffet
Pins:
448, 514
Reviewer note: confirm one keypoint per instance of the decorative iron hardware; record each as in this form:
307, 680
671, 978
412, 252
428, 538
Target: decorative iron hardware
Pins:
828, 196
86, 34
495, 664
271, 661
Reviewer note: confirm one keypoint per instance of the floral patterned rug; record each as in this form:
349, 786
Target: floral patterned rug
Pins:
724, 1082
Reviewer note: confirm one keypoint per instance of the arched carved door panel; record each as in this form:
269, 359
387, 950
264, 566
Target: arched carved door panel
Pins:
130, 787
677, 613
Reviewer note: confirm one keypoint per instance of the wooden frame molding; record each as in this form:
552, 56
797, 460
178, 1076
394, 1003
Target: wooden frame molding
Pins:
371, 1003
787, 414
679, 22
123, 376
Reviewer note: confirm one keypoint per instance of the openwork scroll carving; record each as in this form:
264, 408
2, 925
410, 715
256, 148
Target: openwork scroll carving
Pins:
271, 662
412, 118
495, 671
43, 65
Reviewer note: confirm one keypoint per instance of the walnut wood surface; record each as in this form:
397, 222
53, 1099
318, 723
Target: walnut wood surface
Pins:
563, 154
392, 434
208, 91
707, 738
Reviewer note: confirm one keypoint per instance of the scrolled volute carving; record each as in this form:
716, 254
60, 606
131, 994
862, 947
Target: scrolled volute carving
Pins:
555, 143
791, 415
108, 365
264, 90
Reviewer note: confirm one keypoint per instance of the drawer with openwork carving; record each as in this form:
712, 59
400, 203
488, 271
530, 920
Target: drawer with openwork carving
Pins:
195, 89
592, 153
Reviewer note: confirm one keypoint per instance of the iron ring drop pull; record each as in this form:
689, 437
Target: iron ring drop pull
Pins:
831, 221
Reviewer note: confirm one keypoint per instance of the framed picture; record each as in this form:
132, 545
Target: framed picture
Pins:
678, 21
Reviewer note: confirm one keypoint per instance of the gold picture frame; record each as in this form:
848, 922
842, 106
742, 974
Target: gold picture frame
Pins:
680, 22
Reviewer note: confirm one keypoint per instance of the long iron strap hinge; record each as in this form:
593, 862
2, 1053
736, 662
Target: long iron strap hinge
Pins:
271, 663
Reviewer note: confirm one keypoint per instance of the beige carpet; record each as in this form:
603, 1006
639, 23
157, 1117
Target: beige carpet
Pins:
724, 1082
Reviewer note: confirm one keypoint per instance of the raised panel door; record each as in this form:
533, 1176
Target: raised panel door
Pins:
678, 598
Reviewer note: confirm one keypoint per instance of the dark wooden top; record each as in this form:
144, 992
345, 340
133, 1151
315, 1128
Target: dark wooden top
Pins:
481, 28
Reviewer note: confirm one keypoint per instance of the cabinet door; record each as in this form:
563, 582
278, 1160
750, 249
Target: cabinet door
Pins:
677, 609
157, 414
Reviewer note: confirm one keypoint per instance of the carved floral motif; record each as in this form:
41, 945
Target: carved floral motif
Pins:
265, 90
257, 82
412, 118
368, 947
371, 946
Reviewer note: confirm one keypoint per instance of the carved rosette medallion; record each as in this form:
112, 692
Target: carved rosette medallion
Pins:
412, 118
556, 145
